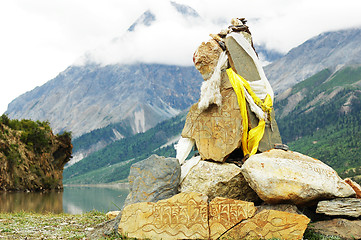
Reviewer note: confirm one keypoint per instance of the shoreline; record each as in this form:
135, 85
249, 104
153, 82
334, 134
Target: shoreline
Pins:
124, 185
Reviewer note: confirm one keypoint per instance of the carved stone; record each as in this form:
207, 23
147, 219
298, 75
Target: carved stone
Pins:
218, 180
225, 213
286, 176
270, 224
340, 207
184, 216
206, 57
217, 131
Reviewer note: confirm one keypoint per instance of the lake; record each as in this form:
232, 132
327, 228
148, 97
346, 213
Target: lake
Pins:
72, 200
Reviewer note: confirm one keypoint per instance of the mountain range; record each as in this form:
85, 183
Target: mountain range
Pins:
113, 110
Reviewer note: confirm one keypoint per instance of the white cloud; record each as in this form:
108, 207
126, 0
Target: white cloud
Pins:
40, 38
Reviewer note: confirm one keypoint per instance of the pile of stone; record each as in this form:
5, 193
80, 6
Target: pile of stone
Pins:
239, 186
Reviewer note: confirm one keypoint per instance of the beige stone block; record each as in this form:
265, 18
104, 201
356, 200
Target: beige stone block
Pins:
270, 224
225, 213
184, 216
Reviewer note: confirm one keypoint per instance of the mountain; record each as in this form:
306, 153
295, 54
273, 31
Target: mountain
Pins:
327, 50
321, 117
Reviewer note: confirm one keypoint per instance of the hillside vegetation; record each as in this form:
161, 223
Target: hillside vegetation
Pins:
31, 157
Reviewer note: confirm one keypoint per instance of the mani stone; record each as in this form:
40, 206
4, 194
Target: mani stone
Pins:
340, 207
184, 216
218, 180
243, 65
206, 57
226, 213
153, 179
217, 131
343, 228
270, 224
285, 176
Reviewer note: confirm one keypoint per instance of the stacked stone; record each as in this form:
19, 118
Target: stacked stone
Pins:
257, 198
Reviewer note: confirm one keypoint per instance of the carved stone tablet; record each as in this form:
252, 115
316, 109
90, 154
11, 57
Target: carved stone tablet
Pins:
184, 216
270, 224
217, 130
225, 213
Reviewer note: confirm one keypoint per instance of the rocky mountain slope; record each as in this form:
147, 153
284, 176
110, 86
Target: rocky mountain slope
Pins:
31, 156
327, 50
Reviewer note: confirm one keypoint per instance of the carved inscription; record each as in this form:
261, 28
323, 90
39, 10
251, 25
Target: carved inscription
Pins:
184, 216
217, 130
225, 213
270, 224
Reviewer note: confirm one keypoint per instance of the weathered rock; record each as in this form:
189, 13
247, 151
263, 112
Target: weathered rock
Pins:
184, 216
218, 180
225, 213
340, 207
112, 214
153, 179
355, 186
286, 176
217, 131
270, 224
206, 57
346, 229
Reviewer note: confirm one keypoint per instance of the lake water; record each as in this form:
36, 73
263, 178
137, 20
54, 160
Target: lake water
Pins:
72, 200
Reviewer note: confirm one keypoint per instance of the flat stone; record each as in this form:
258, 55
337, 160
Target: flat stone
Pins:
343, 228
270, 224
153, 179
285, 176
218, 180
112, 214
290, 208
355, 186
206, 57
226, 213
184, 216
217, 131
340, 207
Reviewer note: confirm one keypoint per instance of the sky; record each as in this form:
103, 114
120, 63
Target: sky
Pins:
41, 38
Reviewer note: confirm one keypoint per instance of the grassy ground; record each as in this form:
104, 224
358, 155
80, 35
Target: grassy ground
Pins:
24, 225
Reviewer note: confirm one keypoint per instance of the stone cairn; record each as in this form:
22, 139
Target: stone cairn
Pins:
244, 184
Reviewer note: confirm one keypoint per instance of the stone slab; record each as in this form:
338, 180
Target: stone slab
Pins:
226, 213
270, 224
217, 131
285, 176
184, 216
340, 207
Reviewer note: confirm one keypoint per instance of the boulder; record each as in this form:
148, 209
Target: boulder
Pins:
343, 228
340, 207
270, 224
226, 213
153, 179
355, 186
217, 131
286, 176
218, 180
184, 216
